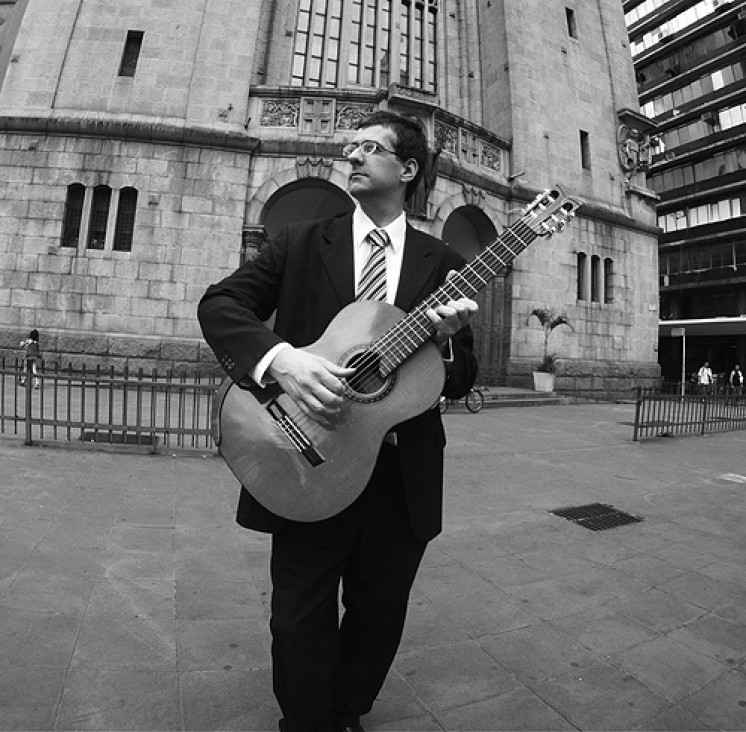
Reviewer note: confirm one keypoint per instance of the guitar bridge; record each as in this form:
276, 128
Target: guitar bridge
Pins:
295, 435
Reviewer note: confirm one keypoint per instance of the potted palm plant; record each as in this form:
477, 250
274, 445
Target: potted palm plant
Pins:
544, 373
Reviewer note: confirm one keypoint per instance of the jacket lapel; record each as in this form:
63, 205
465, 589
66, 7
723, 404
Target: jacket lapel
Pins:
416, 270
336, 253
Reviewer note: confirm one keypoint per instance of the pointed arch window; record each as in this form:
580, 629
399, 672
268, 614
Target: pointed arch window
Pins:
73, 215
595, 278
582, 277
99, 217
608, 280
124, 228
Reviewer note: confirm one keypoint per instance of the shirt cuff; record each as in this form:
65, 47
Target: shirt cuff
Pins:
447, 351
258, 372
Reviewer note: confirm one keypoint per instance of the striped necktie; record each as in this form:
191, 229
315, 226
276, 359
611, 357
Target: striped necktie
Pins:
372, 285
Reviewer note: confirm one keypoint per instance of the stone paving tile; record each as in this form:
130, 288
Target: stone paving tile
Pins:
428, 626
219, 600
537, 652
517, 710
424, 723
554, 598
660, 611
717, 637
28, 696
701, 591
604, 630
210, 645
397, 704
675, 719
44, 592
651, 570
486, 613
671, 669
721, 703
601, 697
37, 639
453, 676
232, 699
141, 642
127, 537
119, 698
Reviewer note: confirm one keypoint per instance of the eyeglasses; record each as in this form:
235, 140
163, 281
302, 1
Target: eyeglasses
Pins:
366, 147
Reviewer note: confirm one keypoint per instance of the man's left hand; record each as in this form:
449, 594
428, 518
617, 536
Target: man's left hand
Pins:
450, 318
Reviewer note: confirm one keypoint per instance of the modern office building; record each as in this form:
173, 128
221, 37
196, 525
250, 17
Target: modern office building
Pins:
690, 64
146, 148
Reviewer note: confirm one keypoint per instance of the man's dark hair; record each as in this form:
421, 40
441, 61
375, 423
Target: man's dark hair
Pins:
411, 141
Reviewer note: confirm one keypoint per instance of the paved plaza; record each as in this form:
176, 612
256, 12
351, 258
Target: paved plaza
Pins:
129, 599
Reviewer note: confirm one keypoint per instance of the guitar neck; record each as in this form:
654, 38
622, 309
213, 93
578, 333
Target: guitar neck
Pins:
412, 331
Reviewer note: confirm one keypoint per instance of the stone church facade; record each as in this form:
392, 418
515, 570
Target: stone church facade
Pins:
148, 148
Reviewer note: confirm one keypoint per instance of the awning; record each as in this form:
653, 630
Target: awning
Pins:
703, 327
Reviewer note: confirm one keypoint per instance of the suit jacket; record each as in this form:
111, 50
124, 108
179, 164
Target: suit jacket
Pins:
306, 276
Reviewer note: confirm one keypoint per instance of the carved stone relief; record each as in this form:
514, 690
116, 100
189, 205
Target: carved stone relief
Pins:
280, 113
308, 167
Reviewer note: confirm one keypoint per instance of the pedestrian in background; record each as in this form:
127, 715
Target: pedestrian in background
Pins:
735, 380
704, 378
33, 356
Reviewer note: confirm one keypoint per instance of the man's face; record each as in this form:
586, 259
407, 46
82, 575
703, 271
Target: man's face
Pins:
381, 172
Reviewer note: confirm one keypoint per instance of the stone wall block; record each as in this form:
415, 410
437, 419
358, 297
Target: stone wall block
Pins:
134, 348
182, 352
88, 344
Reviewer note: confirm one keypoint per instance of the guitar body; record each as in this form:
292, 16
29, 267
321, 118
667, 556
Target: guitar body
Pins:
304, 471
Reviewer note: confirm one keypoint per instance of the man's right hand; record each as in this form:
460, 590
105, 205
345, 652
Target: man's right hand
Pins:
314, 383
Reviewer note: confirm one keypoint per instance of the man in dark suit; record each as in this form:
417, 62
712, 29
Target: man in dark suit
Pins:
327, 673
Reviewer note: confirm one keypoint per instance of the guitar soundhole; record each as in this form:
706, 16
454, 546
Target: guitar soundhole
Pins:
367, 384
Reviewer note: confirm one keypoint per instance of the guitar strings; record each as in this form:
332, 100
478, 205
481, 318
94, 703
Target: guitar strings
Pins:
398, 340
417, 318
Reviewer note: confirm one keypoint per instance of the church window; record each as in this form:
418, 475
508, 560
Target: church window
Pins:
354, 43
73, 215
131, 53
125, 224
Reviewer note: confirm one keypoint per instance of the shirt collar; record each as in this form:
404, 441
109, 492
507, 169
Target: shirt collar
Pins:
362, 226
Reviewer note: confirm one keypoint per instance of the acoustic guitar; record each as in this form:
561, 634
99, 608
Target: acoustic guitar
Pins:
304, 471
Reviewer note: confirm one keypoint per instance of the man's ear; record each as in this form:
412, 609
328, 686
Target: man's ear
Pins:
410, 170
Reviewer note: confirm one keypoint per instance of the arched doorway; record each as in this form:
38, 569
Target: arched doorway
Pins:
468, 230
309, 199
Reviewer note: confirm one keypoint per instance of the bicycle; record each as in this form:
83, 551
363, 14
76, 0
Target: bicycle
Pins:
474, 402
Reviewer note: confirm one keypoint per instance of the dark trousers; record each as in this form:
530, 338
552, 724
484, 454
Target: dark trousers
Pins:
326, 674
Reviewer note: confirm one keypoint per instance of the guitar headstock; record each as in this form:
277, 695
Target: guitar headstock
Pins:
550, 211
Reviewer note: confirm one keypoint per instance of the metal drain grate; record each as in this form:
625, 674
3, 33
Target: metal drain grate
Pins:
596, 516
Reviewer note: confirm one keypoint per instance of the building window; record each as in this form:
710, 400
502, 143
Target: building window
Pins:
353, 43
131, 53
124, 228
608, 280
73, 215
585, 150
99, 217
572, 25
581, 265
595, 278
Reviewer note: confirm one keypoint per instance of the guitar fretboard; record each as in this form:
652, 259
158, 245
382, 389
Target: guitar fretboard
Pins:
403, 339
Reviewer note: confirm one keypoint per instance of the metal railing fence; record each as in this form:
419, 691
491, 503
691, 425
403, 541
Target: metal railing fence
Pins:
665, 411
101, 405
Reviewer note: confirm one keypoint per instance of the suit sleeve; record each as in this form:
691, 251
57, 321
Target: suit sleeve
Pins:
232, 312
